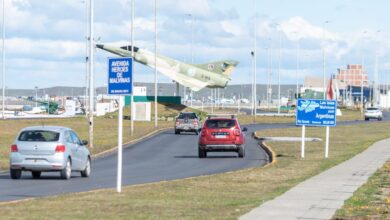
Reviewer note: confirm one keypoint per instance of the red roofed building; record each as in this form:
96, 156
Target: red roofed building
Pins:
353, 75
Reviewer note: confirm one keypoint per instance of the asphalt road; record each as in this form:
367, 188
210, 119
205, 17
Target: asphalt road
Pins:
165, 156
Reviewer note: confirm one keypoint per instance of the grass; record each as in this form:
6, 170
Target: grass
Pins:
372, 200
220, 196
105, 128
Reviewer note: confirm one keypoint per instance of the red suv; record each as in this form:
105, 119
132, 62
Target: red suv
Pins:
221, 134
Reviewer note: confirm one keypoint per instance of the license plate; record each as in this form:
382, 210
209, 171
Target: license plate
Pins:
220, 136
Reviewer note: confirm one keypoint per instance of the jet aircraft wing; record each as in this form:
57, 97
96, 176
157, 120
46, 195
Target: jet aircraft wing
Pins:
190, 82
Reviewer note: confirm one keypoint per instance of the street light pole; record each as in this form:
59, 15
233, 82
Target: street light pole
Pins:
361, 81
155, 64
192, 49
132, 113
36, 96
376, 90
280, 59
91, 69
254, 66
253, 84
296, 73
3, 62
323, 59
86, 57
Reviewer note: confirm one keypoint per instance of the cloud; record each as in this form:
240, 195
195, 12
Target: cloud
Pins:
19, 18
44, 49
42, 35
298, 28
43, 73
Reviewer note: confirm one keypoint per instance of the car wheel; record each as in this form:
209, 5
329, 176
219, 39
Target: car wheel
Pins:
379, 119
241, 151
201, 153
196, 132
366, 119
177, 132
87, 171
66, 173
36, 174
15, 174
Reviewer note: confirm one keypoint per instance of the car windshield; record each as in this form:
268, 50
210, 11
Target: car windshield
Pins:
224, 123
187, 115
371, 109
35, 135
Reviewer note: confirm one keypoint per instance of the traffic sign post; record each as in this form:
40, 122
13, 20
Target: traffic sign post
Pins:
120, 71
316, 112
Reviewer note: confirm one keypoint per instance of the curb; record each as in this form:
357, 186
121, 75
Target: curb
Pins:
267, 149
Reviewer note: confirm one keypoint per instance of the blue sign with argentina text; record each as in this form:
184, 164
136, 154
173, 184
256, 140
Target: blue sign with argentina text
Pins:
120, 76
316, 112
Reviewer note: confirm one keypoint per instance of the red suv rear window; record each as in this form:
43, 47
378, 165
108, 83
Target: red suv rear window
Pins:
220, 123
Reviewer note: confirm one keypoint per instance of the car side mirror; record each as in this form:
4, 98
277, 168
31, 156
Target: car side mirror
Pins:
84, 142
245, 129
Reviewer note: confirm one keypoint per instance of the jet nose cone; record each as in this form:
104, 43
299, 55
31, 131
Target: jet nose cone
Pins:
100, 46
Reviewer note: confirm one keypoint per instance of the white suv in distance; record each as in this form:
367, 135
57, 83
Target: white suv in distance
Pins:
373, 113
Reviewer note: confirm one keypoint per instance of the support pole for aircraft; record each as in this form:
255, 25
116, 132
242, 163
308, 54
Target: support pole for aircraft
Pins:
213, 101
91, 90
132, 112
177, 89
155, 63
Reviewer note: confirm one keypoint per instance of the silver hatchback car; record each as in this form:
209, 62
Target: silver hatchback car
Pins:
49, 148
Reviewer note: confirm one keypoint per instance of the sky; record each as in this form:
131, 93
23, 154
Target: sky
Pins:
45, 43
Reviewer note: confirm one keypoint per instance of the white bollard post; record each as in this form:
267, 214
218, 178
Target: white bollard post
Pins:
120, 125
303, 142
327, 142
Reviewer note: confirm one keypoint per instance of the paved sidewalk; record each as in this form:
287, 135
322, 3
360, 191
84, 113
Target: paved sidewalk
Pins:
320, 196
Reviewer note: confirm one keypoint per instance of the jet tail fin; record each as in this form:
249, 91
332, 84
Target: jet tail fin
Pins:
224, 67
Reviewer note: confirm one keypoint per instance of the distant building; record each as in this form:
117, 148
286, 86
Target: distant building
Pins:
314, 84
354, 75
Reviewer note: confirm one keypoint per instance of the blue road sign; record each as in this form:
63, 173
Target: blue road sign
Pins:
316, 112
120, 75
